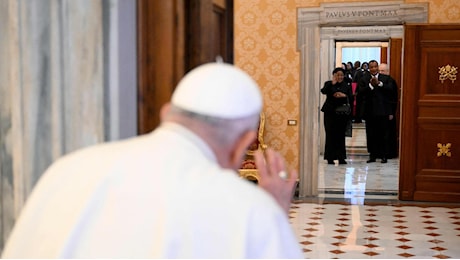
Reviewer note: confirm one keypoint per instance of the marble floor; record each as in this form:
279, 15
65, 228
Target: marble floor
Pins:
358, 180
358, 215
327, 231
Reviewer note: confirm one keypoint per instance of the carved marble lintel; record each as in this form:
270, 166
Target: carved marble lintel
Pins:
394, 12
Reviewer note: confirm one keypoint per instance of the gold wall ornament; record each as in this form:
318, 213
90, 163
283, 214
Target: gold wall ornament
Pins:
444, 149
448, 72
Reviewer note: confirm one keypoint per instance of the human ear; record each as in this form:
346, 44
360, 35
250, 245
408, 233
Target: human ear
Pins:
240, 148
164, 110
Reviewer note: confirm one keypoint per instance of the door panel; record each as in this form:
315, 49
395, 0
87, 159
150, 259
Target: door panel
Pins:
384, 55
430, 144
160, 57
432, 87
396, 46
175, 36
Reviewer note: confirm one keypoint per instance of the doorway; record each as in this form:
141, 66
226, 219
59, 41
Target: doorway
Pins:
318, 30
349, 181
358, 180
362, 51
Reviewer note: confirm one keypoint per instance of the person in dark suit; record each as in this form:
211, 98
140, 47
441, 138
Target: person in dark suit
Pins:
356, 67
338, 92
364, 70
393, 136
349, 71
377, 92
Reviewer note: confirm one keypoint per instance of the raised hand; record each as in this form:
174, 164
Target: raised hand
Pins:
374, 81
270, 166
334, 79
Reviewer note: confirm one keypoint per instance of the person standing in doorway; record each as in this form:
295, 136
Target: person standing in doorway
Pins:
359, 101
392, 128
356, 67
349, 71
338, 92
376, 90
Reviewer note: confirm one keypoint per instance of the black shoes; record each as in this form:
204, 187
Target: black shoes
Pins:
371, 160
342, 162
330, 162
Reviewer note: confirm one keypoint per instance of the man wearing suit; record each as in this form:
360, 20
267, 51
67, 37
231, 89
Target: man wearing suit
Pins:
359, 101
393, 136
377, 91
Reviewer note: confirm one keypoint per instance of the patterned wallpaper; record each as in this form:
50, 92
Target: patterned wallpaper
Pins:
265, 47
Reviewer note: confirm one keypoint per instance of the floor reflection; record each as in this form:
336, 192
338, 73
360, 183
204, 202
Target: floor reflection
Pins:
358, 180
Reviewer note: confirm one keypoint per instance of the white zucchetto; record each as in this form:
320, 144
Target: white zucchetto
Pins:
219, 90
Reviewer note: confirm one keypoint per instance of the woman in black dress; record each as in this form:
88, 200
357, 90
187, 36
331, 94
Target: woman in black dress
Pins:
338, 92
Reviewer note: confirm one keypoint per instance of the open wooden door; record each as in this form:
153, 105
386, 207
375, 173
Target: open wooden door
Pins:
430, 136
175, 36
396, 46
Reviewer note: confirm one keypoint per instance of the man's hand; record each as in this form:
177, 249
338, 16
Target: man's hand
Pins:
374, 81
270, 167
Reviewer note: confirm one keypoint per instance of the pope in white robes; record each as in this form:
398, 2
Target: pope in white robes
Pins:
159, 195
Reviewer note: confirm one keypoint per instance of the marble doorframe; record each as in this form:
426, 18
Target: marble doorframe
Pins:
317, 30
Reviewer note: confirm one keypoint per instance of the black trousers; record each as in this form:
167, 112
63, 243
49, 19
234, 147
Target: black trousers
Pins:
377, 136
335, 126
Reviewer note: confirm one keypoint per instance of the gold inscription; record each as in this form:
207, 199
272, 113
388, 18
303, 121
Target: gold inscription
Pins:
365, 13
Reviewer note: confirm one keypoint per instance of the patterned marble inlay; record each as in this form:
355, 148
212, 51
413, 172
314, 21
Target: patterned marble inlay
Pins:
368, 231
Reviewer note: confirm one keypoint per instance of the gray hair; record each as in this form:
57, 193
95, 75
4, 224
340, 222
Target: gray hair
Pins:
224, 130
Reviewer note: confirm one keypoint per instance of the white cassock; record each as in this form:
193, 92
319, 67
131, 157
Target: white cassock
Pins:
160, 195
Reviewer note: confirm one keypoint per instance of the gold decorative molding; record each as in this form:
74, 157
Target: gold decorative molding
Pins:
448, 72
249, 174
444, 149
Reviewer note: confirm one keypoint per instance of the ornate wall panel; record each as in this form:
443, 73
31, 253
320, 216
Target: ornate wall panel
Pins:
265, 36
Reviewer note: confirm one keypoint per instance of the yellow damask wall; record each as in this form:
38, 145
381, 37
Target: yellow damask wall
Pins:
265, 46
